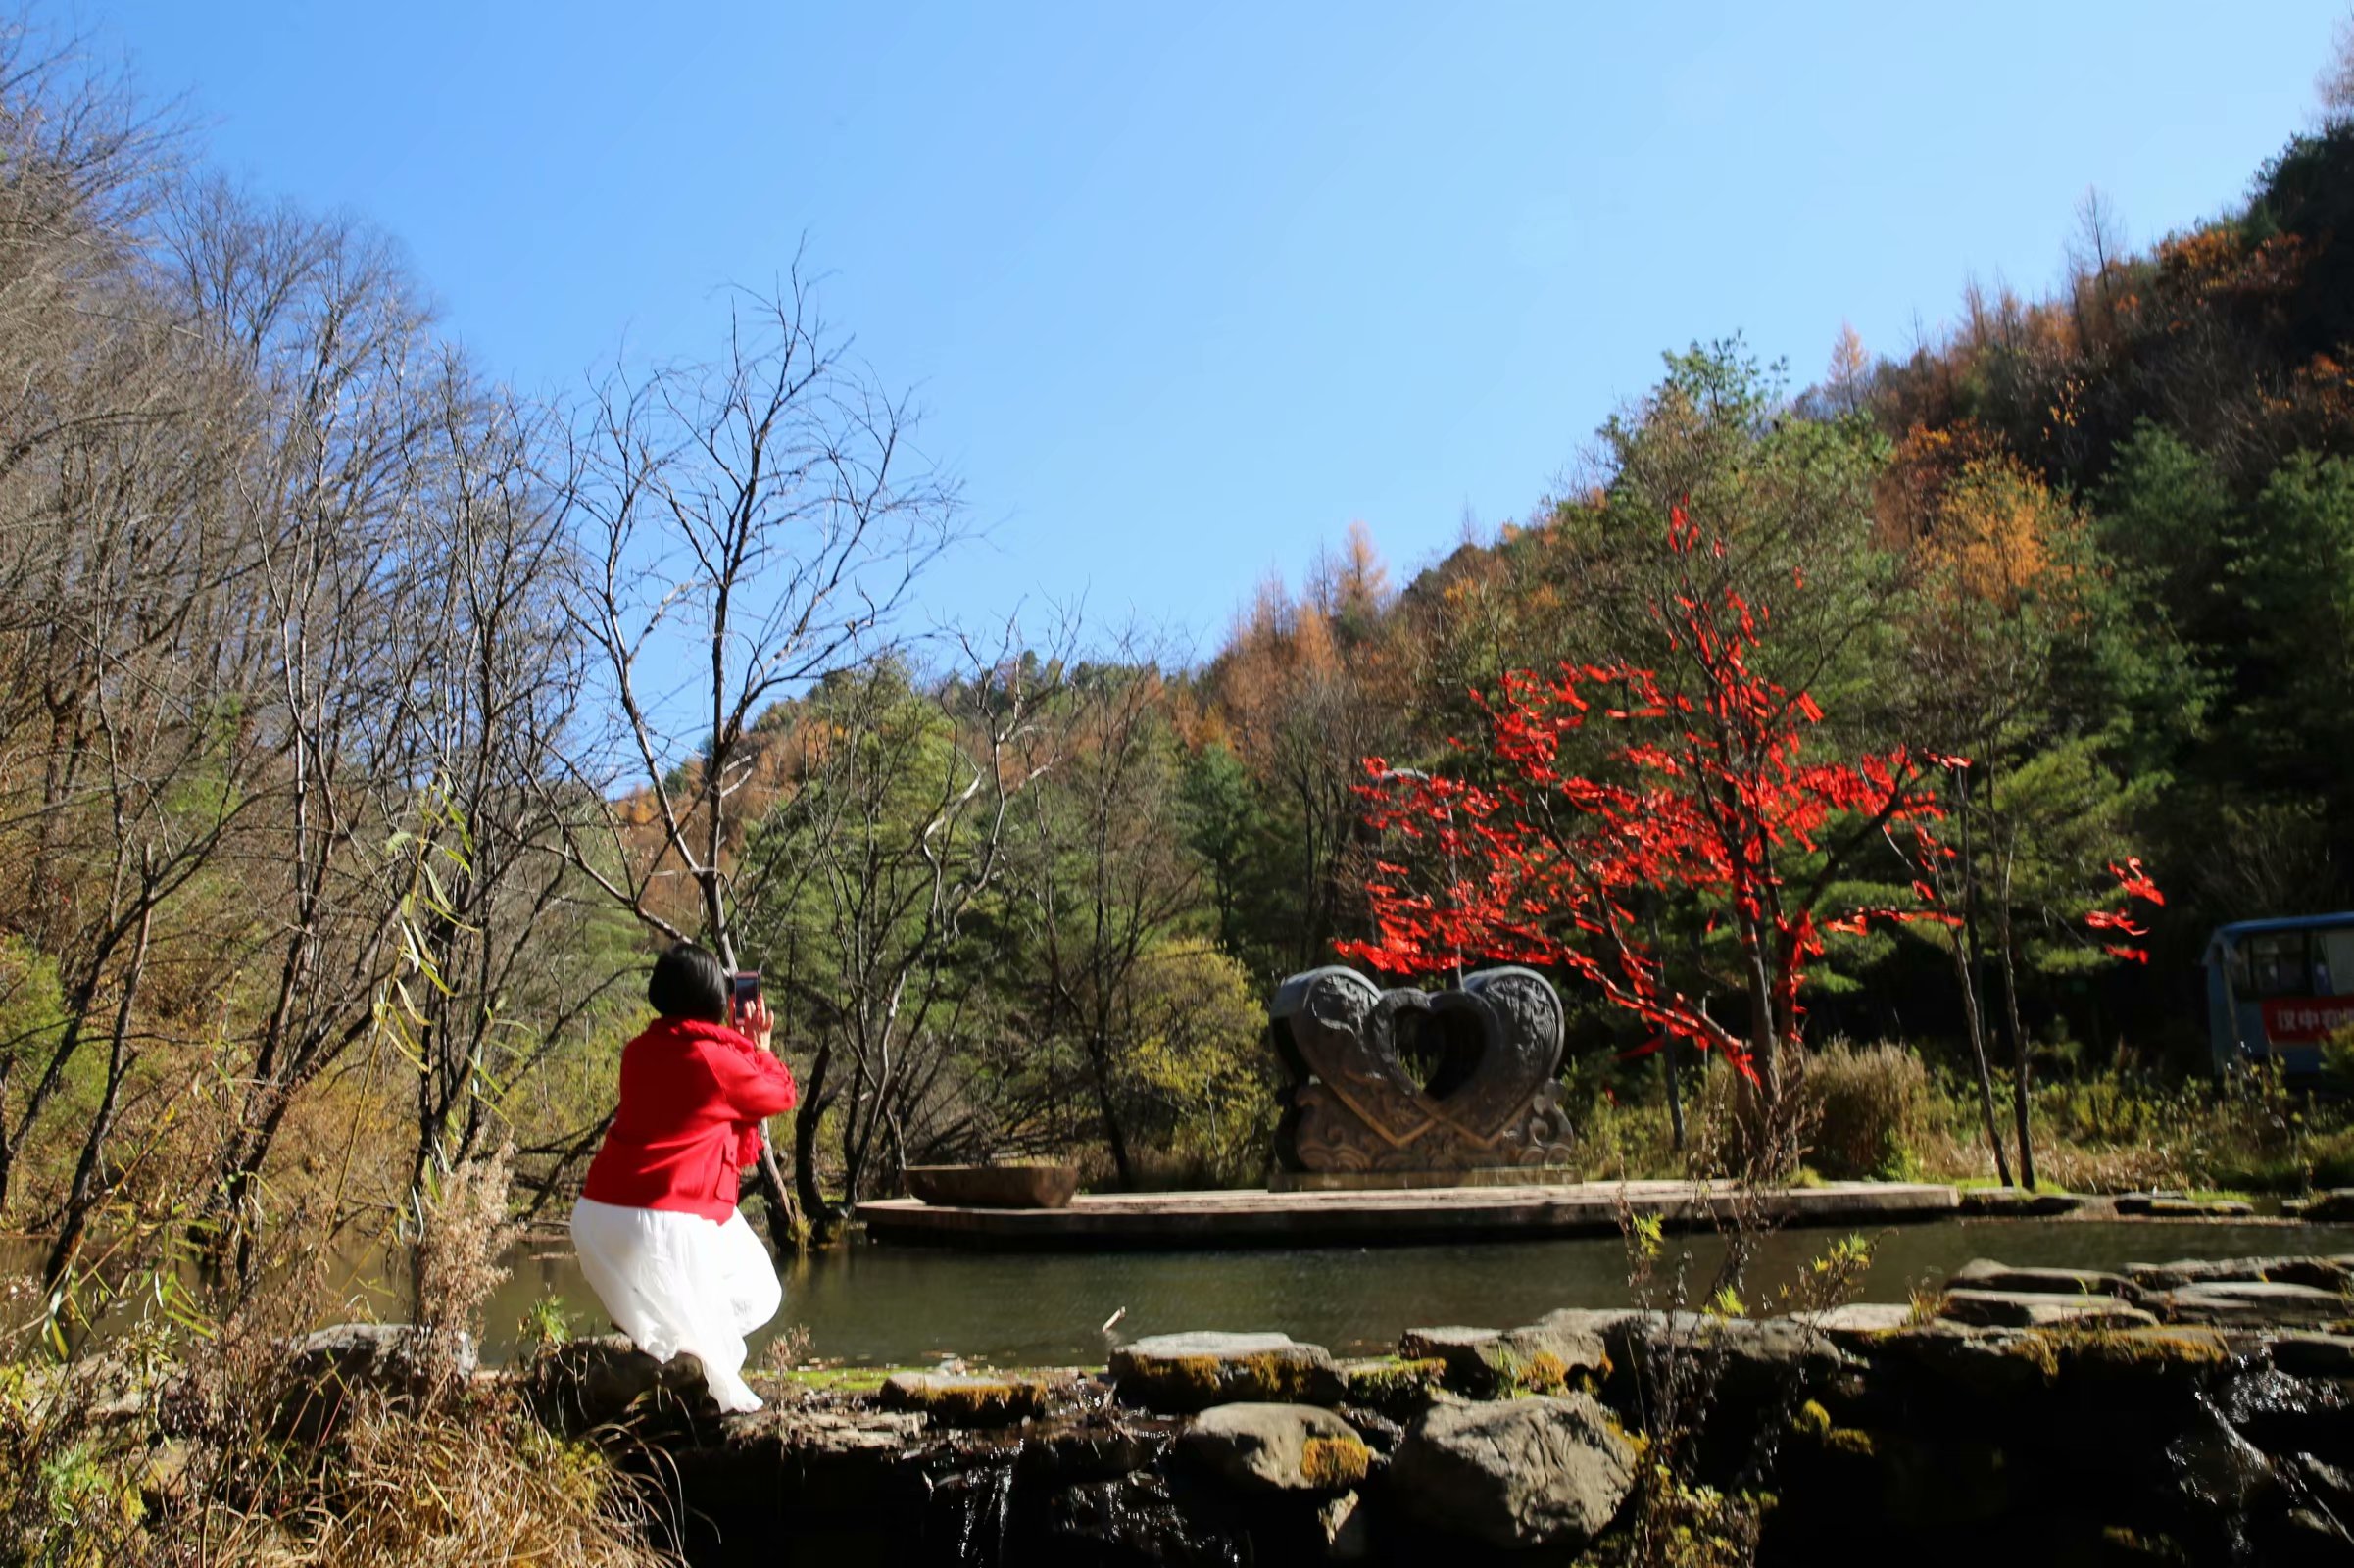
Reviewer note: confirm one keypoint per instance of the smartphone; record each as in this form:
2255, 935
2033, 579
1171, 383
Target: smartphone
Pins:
743, 990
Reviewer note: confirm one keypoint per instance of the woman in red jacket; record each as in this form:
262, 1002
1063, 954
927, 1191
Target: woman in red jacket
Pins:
659, 1239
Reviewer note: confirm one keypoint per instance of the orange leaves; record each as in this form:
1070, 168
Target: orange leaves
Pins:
1708, 794
1992, 530
2134, 883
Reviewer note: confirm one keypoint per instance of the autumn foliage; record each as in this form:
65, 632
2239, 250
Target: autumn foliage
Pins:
1708, 793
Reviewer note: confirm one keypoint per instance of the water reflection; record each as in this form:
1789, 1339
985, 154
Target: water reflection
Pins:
879, 1305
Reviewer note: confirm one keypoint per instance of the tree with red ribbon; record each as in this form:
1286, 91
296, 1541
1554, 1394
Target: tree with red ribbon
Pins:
1706, 793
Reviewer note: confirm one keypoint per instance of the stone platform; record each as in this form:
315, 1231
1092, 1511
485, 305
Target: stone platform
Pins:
1369, 1218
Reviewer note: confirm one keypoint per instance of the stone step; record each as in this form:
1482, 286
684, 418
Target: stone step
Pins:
1178, 1374
2026, 1309
1986, 1274
966, 1398
2257, 1302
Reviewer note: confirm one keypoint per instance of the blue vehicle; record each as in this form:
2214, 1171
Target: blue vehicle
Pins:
2278, 989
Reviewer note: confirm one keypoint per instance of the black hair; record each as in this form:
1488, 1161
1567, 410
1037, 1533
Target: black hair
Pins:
689, 983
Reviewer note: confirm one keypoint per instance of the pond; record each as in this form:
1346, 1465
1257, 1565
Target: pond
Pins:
873, 1304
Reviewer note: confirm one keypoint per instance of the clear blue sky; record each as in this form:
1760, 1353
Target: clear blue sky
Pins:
1188, 288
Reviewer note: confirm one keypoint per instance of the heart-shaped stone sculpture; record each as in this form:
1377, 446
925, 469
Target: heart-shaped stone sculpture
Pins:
1415, 1080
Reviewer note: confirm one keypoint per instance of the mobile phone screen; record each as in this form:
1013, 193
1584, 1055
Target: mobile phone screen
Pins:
747, 988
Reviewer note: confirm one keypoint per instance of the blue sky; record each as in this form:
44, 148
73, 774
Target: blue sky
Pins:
1188, 289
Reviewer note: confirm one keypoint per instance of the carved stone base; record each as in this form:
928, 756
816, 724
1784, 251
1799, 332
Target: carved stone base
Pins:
1374, 1181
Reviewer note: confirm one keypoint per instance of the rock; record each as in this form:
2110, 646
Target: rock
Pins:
1278, 1447
994, 1186
1956, 1360
2314, 1355
2015, 1202
2322, 1273
1858, 1323
2024, 1310
966, 1400
1179, 1374
1986, 1274
1517, 1473
2181, 1205
325, 1370
2200, 1209
162, 1471
2335, 1207
1544, 1357
1133, 1520
1342, 1521
1455, 1349
1398, 1389
2254, 1302
2333, 1486
797, 1437
1099, 1446
585, 1383
1380, 1433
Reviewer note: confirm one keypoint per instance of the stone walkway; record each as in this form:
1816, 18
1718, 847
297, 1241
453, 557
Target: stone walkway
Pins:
1260, 1218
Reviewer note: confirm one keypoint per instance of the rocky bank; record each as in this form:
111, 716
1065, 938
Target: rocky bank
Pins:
2196, 1412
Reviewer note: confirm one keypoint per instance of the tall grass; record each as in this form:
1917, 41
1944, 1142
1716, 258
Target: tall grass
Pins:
1884, 1111
169, 1447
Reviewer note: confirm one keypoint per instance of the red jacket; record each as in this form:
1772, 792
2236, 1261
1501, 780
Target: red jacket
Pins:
692, 1097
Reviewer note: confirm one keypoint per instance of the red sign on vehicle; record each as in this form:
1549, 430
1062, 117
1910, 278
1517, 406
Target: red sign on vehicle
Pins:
2304, 1020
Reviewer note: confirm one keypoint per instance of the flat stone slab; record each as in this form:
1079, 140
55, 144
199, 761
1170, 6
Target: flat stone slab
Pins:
2181, 1205
2314, 1355
1277, 1447
2254, 1302
1179, 1374
2022, 1309
1399, 1217
2017, 1202
2322, 1273
966, 1398
1986, 1274
1857, 1322
1544, 1358
2333, 1207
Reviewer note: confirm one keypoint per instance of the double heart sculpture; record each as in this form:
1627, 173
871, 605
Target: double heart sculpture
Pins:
1417, 1080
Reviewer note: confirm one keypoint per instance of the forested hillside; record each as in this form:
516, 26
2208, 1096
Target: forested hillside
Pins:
348, 815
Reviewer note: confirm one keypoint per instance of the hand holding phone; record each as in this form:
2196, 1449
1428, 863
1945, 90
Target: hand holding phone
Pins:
752, 1016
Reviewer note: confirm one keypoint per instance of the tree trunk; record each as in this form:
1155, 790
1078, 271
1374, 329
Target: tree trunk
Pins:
1973, 966
2019, 1069
819, 1220
1978, 1055
83, 1196
1099, 1072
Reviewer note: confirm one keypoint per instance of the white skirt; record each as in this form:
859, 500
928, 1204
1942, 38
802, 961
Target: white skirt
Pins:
681, 1285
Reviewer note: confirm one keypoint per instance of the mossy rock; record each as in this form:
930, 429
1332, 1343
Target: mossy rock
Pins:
1180, 1374
1552, 1356
1393, 1386
966, 1400
1278, 1447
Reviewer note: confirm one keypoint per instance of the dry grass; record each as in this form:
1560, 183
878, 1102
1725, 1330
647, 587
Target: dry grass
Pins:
472, 1483
195, 1477
463, 1232
1867, 1108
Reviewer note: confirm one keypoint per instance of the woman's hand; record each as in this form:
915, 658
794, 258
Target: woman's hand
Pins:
757, 1024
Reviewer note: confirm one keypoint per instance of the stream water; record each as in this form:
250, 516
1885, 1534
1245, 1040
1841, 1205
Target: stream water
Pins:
874, 1304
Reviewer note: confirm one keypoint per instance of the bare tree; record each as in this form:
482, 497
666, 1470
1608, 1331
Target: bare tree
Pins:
895, 825
2336, 85
744, 526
